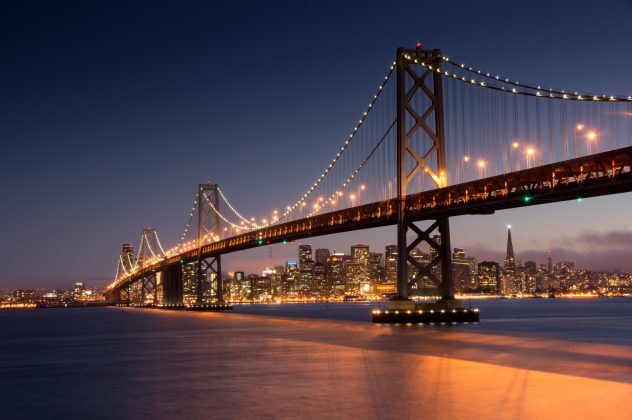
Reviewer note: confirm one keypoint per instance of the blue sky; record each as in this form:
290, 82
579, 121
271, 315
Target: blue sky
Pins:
112, 112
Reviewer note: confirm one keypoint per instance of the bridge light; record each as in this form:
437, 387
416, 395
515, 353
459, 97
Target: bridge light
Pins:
515, 144
580, 199
527, 198
579, 127
260, 241
592, 135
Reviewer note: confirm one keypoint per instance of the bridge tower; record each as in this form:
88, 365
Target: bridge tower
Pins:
420, 152
208, 230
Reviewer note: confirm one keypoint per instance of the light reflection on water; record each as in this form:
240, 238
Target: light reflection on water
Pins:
526, 358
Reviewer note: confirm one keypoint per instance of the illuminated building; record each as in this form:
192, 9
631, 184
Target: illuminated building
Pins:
358, 270
425, 286
24, 296
390, 263
321, 256
79, 291
189, 283
305, 281
320, 285
304, 254
276, 280
336, 274
376, 271
509, 278
461, 272
549, 261
290, 277
489, 277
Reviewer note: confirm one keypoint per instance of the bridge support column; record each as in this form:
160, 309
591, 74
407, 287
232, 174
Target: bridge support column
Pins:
149, 288
208, 228
123, 295
421, 143
214, 265
441, 255
172, 285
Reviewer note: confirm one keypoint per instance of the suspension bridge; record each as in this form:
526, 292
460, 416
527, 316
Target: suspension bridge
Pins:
437, 139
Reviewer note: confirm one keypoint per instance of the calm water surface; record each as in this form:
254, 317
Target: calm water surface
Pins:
314, 361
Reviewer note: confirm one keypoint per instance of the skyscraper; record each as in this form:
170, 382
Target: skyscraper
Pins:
322, 254
510, 266
549, 262
376, 272
305, 278
335, 273
304, 254
390, 263
510, 261
489, 277
360, 268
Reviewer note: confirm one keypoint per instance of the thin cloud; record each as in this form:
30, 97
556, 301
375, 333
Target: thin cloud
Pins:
591, 239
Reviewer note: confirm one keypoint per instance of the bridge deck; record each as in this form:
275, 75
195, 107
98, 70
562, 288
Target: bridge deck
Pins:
595, 175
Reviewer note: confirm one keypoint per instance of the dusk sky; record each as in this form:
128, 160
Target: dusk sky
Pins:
112, 112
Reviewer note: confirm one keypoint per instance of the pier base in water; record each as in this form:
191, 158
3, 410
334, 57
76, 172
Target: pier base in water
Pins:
440, 312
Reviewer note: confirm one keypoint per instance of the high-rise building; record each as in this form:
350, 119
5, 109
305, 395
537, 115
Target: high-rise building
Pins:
359, 269
510, 261
189, 283
320, 286
425, 286
321, 256
509, 278
304, 254
489, 277
336, 273
79, 291
390, 263
305, 280
461, 272
289, 278
549, 261
376, 271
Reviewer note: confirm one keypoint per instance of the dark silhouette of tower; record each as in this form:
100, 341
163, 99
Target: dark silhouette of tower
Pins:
549, 265
510, 261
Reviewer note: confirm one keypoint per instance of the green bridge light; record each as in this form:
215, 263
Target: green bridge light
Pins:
260, 241
527, 198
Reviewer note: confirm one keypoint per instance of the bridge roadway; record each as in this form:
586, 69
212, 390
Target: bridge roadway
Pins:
590, 176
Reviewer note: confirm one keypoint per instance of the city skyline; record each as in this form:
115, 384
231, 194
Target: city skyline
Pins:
89, 117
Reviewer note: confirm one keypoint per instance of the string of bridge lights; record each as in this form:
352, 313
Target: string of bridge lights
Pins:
186, 229
208, 200
538, 90
328, 169
338, 193
561, 94
299, 202
234, 210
